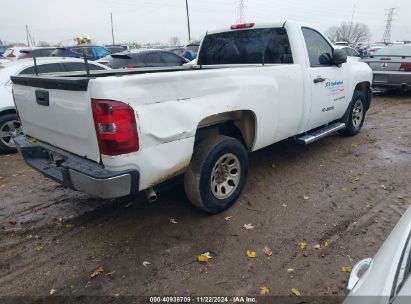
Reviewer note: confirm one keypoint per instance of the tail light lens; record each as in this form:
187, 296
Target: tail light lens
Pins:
15, 105
405, 67
116, 127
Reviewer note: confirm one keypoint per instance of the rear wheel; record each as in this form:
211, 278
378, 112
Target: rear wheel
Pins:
217, 174
9, 127
356, 115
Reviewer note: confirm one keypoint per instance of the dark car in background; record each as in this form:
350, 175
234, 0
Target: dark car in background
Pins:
36, 52
116, 48
191, 51
145, 58
92, 52
391, 67
177, 50
3, 48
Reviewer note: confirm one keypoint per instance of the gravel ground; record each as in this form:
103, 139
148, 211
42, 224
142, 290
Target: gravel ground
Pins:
347, 192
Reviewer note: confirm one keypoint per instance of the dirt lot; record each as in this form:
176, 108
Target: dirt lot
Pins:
347, 191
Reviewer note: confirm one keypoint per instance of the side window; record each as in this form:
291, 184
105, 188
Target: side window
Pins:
95, 67
50, 68
153, 59
29, 70
171, 59
403, 270
319, 50
80, 66
352, 53
74, 66
41, 53
44, 68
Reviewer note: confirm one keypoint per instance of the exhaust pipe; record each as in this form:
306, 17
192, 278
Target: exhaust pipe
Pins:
151, 195
404, 88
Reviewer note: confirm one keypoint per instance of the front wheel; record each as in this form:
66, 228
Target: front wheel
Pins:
217, 174
356, 114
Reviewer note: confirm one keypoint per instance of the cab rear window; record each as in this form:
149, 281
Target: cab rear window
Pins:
255, 46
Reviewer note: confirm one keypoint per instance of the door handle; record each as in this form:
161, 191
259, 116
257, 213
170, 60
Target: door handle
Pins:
42, 97
319, 79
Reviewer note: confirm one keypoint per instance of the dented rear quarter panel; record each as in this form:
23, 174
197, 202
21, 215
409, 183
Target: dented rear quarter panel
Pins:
170, 106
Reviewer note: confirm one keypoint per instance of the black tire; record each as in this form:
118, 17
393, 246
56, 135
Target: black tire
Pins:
202, 172
6, 143
356, 114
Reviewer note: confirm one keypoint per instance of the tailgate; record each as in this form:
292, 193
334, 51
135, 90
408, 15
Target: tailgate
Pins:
58, 111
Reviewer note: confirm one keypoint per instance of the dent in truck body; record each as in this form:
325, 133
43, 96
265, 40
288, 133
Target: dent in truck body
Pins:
168, 118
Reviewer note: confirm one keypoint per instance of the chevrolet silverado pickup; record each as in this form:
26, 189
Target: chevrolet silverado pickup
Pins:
114, 133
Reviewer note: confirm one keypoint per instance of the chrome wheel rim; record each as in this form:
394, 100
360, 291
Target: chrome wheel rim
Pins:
357, 113
225, 176
9, 130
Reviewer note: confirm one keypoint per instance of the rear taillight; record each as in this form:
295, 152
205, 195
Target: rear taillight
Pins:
405, 67
116, 127
130, 67
242, 26
15, 106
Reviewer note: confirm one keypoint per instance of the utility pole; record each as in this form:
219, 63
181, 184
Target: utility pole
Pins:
112, 29
390, 18
240, 11
188, 23
351, 25
27, 35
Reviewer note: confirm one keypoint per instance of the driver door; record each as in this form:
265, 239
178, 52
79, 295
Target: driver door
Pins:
326, 81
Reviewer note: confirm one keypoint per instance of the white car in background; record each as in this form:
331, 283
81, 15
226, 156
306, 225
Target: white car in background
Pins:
385, 279
3, 60
14, 52
352, 54
9, 123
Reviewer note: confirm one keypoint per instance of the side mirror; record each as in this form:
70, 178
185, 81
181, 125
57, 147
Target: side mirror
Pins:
357, 272
339, 57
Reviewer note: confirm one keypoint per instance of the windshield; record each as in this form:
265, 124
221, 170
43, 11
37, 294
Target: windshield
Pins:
404, 51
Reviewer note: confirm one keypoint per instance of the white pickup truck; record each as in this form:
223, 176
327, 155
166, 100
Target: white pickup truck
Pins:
114, 133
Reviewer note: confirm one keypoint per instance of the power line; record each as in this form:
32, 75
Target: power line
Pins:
390, 17
188, 22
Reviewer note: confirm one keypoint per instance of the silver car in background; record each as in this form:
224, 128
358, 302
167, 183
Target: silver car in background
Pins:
391, 67
386, 278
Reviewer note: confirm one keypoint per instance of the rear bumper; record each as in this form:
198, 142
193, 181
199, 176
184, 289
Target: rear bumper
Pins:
391, 79
76, 172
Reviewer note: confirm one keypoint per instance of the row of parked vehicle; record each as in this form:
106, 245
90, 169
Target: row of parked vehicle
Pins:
391, 64
18, 61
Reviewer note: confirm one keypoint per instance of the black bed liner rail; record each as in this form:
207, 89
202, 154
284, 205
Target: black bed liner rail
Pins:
78, 81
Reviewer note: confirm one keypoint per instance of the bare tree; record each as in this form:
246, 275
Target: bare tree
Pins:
174, 41
349, 32
43, 43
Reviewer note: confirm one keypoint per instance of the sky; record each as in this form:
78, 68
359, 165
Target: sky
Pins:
158, 20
